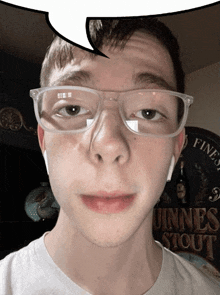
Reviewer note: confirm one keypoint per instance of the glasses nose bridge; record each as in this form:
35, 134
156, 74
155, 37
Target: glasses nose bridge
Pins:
110, 96
110, 103
109, 109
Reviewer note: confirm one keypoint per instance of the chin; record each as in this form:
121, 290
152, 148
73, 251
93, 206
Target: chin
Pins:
107, 242
113, 235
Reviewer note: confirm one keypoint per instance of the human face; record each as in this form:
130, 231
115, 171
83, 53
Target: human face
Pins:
108, 159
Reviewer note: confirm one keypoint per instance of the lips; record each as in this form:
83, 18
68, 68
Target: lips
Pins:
108, 203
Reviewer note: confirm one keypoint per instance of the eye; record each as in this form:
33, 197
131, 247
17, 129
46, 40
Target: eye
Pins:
149, 114
71, 111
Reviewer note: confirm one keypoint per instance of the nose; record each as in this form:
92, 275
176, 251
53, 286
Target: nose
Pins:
109, 144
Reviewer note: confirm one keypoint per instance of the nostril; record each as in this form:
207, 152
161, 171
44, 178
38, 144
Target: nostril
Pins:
99, 157
118, 158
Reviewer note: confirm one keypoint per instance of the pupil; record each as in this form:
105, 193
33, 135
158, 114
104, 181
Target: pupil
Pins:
148, 114
73, 110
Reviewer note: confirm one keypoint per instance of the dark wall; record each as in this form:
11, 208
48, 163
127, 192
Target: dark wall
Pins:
22, 167
17, 78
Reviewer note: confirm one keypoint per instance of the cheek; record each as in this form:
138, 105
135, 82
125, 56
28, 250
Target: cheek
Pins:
65, 158
153, 158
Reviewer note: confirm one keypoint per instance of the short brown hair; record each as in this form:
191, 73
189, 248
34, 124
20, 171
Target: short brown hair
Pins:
114, 33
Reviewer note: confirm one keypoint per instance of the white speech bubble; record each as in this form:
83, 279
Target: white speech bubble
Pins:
68, 17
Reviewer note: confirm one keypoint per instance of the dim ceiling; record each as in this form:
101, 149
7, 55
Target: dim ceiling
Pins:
26, 34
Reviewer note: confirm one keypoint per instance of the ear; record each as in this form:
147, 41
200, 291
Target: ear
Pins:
180, 140
40, 133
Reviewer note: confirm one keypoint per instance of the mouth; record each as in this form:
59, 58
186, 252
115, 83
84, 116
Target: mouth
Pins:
108, 203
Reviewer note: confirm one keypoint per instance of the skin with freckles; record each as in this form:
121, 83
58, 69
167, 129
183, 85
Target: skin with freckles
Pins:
110, 253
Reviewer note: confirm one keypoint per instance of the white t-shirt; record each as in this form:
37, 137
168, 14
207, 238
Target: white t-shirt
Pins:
31, 271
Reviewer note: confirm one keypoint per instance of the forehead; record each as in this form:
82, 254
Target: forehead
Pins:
143, 60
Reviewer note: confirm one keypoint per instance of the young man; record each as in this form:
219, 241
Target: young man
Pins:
111, 130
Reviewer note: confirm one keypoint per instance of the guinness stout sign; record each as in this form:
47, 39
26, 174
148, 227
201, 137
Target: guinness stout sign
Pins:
193, 230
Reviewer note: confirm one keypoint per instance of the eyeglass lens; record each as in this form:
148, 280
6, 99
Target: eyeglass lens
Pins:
157, 113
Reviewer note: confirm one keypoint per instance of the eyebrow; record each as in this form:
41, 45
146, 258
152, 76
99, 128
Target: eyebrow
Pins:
74, 77
149, 78
81, 77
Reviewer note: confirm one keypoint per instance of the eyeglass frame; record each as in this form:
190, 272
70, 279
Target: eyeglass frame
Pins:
35, 94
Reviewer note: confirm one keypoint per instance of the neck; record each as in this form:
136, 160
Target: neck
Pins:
137, 262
